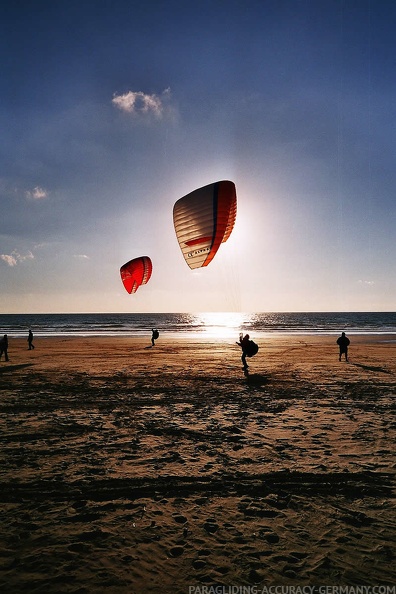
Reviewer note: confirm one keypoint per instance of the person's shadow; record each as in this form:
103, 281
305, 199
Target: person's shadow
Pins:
7, 368
256, 380
372, 368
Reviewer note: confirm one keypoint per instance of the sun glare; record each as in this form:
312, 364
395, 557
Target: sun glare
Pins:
222, 324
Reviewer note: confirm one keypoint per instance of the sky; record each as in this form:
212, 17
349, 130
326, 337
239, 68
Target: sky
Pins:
111, 110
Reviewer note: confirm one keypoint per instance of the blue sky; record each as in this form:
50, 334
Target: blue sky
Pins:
112, 110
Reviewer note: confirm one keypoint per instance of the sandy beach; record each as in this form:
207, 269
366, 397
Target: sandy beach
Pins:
130, 469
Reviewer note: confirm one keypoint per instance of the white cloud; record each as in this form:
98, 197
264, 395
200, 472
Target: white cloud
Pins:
9, 259
137, 102
366, 282
37, 193
82, 256
28, 256
15, 257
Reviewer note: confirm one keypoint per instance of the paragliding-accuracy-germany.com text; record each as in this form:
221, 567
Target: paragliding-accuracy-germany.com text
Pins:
292, 589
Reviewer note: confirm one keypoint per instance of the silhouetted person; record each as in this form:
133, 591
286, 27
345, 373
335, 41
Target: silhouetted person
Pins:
154, 336
343, 342
244, 344
4, 347
30, 340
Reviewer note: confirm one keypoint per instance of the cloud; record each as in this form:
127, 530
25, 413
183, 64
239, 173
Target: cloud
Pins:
37, 193
15, 257
82, 256
9, 259
366, 282
139, 103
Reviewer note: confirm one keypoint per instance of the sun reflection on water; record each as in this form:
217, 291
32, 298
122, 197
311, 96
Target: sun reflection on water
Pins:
221, 324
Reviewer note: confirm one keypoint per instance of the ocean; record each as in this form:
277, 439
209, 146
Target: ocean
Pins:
206, 325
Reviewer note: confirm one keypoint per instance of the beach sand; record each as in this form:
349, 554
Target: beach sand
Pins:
128, 469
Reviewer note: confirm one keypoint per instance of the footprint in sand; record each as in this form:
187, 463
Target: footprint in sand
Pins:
199, 563
179, 518
204, 552
201, 500
255, 576
176, 551
211, 526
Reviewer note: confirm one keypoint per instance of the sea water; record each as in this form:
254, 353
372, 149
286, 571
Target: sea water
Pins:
206, 325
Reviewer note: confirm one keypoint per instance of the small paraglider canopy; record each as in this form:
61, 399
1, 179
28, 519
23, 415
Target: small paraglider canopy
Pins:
204, 220
136, 272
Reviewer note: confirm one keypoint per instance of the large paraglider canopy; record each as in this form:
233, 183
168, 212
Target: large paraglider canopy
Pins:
203, 220
136, 272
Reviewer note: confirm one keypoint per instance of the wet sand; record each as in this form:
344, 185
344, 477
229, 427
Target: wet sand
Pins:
129, 469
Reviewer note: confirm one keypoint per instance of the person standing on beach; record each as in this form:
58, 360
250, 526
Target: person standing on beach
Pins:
4, 347
30, 340
343, 342
154, 336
